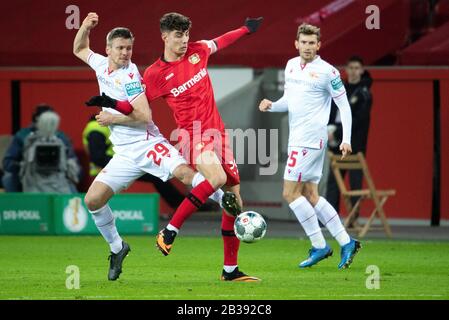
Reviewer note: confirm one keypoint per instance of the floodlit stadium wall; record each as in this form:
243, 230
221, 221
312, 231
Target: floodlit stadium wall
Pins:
401, 139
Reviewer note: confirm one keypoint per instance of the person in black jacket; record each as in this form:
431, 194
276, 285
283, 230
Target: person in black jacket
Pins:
357, 87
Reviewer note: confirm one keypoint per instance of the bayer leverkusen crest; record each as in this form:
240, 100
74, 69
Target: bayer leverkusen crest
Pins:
194, 58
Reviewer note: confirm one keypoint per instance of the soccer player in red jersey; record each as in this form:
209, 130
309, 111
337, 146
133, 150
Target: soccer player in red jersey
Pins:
180, 77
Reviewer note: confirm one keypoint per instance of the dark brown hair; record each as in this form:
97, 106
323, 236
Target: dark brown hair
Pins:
175, 21
355, 59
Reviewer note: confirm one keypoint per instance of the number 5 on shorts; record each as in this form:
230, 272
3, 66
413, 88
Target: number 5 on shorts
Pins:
292, 159
157, 153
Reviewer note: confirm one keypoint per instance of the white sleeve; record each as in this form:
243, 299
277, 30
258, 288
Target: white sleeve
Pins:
279, 106
335, 85
132, 84
337, 91
346, 117
282, 104
94, 59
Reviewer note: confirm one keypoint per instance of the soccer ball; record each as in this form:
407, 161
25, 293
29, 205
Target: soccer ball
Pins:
250, 227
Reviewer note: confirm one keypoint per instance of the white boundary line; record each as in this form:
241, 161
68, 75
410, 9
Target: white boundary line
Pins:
242, 297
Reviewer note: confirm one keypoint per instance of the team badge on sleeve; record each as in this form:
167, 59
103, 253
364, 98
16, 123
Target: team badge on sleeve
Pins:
133, 88
336, 83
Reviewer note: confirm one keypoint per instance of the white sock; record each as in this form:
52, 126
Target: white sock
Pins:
216, 196
172, 228
309, 221
105, 222
229, 269
197, 179
330, 219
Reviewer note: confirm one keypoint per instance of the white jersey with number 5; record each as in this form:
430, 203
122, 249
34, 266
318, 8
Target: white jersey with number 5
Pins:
122, 84
307, 97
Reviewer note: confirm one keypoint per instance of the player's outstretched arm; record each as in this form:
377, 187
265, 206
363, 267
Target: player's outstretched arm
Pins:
81, 42
279, 106
251, 25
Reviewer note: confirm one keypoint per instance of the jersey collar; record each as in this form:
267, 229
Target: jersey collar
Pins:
317, 57
162, 59
109, 71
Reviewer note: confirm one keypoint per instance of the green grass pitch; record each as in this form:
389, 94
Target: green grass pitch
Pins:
34, 267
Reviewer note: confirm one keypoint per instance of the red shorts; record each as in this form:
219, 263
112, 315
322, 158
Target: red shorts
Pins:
223, 151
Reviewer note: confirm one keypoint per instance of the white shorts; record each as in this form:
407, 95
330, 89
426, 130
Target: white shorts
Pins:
304, 164
156, 157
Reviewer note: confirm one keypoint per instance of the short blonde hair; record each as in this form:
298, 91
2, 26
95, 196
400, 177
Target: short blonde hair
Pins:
308, 29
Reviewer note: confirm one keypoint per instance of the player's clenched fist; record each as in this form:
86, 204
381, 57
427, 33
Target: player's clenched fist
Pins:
265, 105
90, 21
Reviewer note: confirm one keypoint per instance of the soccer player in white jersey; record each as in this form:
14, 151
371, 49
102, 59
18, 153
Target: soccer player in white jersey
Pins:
310, 84
138, 145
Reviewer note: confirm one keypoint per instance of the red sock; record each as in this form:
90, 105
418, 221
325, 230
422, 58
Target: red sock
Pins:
191, 203
230, 241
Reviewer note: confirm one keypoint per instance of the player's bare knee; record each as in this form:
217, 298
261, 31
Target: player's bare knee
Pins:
218, 180
312, 198
89, 202
290, 195
285, 195
93, 202
184, 174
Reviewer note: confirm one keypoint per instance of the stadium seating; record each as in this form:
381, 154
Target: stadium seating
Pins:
432, 49
344, 32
